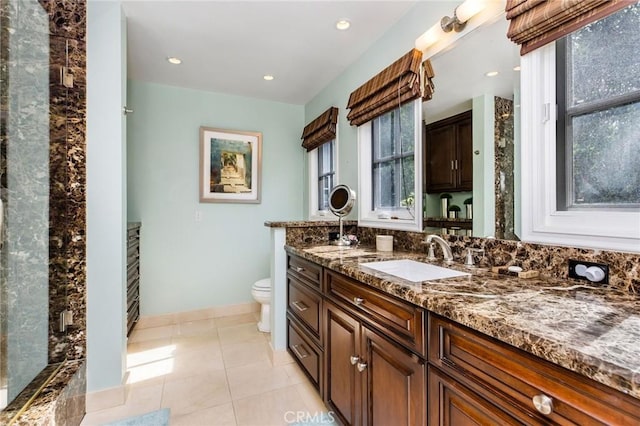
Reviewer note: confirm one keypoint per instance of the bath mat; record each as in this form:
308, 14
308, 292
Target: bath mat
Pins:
154, 418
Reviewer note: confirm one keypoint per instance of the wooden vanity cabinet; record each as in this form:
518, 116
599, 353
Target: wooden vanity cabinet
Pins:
448, 151
304, 318
472, 376
371, 379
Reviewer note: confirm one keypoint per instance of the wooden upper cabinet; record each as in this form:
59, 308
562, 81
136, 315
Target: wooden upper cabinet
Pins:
448, 162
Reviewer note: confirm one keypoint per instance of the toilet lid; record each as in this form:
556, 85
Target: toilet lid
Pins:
263, 284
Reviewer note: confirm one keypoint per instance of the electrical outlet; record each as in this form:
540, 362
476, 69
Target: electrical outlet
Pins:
578, 269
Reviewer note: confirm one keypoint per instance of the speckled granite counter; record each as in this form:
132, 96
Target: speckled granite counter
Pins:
589, 330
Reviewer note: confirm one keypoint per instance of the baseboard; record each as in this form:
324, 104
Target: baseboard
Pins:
279, 357
107, 398
197, 315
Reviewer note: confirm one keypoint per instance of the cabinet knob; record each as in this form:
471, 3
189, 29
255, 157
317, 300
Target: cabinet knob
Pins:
354, 359
299, 269
361, 366
358, 300
543, 404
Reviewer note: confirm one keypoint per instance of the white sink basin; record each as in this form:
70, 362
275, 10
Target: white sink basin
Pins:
413, 271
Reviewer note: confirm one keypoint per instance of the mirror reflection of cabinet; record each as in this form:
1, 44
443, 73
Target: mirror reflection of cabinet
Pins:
448, 154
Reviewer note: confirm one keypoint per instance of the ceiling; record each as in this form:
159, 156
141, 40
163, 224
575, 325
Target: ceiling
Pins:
228, 46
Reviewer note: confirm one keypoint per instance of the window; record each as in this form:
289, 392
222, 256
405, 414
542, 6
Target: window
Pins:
389, 175
598, 128
322, 178
580, 177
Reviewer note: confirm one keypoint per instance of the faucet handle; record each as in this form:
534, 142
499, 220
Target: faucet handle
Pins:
469, 258
431, 255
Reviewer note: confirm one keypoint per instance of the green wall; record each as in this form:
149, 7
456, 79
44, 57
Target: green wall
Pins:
391, 46
188, 264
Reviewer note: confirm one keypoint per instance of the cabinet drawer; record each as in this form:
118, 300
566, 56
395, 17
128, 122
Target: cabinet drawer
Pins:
397, 318
305, 271
518, 377
306, 354
306, 305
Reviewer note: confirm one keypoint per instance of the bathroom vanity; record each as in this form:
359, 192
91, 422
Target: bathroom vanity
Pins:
477, 349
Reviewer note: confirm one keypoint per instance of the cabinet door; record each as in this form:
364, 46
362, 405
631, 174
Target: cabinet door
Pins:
342, 383
452, 404
464, 165
439, 153
394, 383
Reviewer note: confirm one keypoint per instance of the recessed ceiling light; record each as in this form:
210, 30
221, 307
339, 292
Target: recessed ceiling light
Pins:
268, 77
173, 60
516, 68
343, 24
492, 73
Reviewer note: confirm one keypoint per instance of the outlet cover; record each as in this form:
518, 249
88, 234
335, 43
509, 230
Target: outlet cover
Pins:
572, 270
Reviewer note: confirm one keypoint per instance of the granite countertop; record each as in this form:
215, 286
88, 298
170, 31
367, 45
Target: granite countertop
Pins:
590, 330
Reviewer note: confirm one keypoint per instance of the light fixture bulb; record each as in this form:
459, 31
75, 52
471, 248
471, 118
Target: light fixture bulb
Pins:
492, 73
343, 24
428, 38
268, 77
468, 9
173, 60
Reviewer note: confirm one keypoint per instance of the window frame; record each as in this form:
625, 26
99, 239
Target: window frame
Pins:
564, 138
367, 216
314, 178
542, 221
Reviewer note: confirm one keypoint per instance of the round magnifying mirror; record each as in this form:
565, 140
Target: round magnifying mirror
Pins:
341, 200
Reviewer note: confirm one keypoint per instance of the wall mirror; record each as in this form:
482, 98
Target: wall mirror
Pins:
462, 84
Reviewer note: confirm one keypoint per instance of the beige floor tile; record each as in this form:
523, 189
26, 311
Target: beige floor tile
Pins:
221, 415
239, 354
311, 397
196, 342
155, 321
152, 333
141, 399
240, 333
135, 347
257, 378
237, 320
188, 394
199, 327
295, 373
195, 362
276, 408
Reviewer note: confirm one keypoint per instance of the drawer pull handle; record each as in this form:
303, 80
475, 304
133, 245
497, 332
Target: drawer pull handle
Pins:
543, 404
358, 300
300, 354
354, 359
300, 306
299, 269
361, 366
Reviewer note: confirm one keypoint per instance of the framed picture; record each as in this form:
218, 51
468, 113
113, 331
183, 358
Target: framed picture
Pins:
230, 166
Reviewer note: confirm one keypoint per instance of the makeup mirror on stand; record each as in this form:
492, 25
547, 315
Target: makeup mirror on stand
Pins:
341, 201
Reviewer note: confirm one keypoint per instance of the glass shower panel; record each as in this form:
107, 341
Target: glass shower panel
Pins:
24, 191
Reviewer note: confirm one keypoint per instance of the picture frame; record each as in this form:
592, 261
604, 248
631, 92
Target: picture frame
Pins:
230, 166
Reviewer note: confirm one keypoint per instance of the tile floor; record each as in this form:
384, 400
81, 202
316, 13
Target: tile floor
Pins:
211, 372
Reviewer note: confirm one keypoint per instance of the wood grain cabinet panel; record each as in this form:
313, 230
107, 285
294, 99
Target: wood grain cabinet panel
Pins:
521, 383
448, 154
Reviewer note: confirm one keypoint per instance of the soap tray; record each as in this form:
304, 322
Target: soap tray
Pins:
523, 274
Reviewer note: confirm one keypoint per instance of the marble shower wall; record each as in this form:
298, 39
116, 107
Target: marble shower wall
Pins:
67, 271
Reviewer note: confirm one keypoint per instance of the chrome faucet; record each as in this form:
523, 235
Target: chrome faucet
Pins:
446, 248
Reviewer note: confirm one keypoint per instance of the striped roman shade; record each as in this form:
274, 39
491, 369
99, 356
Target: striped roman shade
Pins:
427, 80
393, 86
321, 130
535, 23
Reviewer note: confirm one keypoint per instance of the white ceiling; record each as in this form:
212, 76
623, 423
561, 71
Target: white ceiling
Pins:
227, 46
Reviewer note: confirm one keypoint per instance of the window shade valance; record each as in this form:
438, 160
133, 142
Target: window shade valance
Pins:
321, 130
393, 86
535, 23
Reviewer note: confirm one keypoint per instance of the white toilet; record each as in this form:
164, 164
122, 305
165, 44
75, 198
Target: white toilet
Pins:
261, 292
